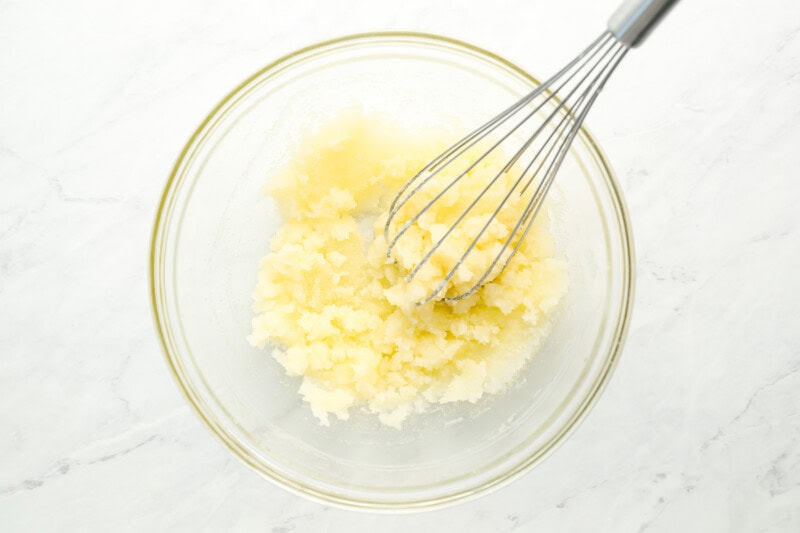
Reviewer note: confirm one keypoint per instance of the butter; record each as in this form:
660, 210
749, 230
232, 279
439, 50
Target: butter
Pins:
346, 321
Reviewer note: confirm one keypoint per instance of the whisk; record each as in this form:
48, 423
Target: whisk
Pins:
554, 112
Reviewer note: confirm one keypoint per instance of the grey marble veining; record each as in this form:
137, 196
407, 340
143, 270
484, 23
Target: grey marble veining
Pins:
699, 429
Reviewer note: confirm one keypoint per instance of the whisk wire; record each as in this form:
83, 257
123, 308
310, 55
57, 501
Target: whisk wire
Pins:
588, 72
497, 176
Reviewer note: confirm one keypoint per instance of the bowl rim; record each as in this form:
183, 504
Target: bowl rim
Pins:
323, 496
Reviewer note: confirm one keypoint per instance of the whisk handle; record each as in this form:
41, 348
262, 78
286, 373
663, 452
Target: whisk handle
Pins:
634, 19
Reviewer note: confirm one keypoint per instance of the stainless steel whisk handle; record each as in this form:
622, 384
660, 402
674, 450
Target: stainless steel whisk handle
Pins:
634, 19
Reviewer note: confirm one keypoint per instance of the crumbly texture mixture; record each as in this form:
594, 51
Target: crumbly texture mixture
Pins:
346, 321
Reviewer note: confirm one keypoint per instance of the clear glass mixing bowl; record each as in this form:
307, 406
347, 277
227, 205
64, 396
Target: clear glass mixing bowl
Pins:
213, 224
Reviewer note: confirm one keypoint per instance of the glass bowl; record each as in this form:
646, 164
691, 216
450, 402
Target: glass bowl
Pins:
213, 224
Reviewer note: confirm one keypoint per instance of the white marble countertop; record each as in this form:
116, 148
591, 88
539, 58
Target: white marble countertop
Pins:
699, 429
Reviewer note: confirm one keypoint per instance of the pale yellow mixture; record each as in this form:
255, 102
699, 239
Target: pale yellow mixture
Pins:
346, 321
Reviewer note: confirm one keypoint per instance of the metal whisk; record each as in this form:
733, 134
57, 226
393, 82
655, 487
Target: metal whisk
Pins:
554, 111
